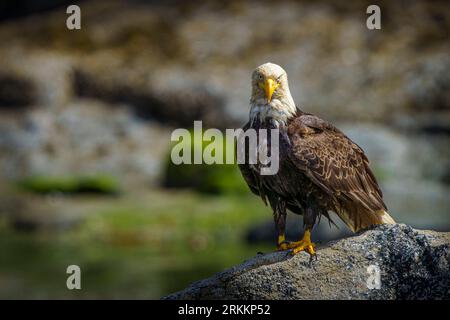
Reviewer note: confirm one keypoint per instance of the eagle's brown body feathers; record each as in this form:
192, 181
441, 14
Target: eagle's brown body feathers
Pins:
321, 170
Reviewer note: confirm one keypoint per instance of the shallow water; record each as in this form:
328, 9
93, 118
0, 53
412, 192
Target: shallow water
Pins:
144, 246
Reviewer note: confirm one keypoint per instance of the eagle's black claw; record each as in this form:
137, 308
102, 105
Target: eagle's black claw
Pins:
312, 258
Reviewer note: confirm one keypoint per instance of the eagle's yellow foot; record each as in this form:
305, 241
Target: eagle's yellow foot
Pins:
303, 245
282, 244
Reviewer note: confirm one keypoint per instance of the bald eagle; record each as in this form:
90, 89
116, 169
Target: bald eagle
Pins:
320, 169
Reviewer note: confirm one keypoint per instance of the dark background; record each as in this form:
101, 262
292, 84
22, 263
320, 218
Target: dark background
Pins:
86, 118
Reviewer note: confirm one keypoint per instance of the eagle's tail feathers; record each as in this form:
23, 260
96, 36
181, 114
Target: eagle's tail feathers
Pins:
385, 217
361, 218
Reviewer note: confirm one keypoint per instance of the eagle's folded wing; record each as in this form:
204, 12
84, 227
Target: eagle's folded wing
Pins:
336, 164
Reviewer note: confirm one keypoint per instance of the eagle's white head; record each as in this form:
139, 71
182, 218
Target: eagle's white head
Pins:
271, 97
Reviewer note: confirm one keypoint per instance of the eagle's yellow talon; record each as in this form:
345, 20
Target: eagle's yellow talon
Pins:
308, 247
303, 245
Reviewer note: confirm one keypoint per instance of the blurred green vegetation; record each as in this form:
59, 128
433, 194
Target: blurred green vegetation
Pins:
210, 179
101, 184
205, 178
142, 245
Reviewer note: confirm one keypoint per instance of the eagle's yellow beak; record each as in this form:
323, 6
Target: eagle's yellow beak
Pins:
269, 87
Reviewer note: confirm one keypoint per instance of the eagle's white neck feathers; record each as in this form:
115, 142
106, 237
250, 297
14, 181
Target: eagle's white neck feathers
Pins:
278, 110
271, 97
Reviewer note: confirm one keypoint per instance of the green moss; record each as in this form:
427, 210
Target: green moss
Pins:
212, 179
204, 178
101, 184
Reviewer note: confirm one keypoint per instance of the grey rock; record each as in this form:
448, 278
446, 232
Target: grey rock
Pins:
176, 106
413, 264
15, 91
80, 140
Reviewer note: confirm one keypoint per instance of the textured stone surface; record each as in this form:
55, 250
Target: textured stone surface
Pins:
414, 264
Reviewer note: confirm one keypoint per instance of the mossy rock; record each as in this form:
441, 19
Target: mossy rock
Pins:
99, 184
214, 179
205, 178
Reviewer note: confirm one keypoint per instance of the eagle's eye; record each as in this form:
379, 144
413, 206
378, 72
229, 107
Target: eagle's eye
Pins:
279, 79
261, 77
